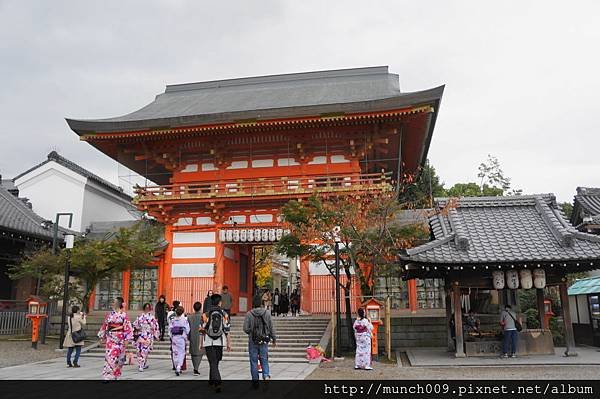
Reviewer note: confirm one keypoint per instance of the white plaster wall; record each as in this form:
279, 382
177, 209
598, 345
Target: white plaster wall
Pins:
100, 205
53, 189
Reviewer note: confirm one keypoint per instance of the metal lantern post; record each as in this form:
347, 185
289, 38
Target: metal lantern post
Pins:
69, 240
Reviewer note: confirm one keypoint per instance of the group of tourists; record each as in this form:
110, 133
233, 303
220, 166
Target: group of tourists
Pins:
280, 304
205, 332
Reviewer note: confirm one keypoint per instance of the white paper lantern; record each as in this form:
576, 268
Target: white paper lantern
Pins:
498, 279
512, 279
271, 234
229, 235
265, 234
222, 236
279, 234
539, 278
243, 235
236, 235
526, 280
250, 235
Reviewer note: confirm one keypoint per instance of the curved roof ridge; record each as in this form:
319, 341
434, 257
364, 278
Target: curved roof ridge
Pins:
558, 230
429, 245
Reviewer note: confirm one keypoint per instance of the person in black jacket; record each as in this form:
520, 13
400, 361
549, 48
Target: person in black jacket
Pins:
160, 311
207, 302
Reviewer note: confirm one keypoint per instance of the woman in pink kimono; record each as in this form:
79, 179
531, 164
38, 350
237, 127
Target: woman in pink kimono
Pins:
362, 332
179, 328
115, 332
146, 329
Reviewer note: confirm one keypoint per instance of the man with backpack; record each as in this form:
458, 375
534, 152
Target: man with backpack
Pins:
259, 327
215, 326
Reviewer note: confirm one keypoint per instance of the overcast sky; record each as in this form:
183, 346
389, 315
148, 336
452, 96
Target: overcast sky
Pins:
521, 77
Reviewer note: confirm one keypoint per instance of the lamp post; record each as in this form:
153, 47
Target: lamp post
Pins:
69, 240
54, 251
338, 313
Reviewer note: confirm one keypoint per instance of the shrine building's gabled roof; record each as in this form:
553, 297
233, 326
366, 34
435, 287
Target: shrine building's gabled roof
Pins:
56, 157
17, 218
504, 230
293, 95
586, 208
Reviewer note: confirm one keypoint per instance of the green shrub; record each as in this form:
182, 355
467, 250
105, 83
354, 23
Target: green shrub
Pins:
531, 317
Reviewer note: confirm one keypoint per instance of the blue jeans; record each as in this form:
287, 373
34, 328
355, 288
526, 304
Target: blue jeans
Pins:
510, 338
77, 353
258, 351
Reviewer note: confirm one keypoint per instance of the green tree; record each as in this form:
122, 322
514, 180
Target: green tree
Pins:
567, 209
424, 189
49, 269
93, 260
492, 182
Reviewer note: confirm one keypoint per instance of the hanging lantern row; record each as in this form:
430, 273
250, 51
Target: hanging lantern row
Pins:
251, 235
527, 279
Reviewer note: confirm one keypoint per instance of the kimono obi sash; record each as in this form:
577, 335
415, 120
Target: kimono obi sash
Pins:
112, 326
177, 330
361, 328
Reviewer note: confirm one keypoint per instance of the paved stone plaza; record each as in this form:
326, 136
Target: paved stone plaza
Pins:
160, 369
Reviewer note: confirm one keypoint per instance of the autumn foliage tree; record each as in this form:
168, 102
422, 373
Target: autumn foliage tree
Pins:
366, 228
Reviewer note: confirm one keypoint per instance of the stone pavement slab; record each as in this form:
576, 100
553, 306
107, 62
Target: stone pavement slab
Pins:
440, 357
160, 369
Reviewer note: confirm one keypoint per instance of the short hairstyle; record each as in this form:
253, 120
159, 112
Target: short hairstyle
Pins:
256, 302
215, 299
162, 297
507, 307
197, 306
176, 304
225, 287
147, 306
179, 310
74, 309
120, 302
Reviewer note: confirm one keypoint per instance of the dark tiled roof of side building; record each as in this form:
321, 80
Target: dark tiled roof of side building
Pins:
586, 205
16, 216
493, 230
54, 156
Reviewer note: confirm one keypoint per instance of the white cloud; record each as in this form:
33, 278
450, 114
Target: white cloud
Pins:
521, 76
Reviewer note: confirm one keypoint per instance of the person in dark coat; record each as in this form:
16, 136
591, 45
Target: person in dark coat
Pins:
160, 312
284, 308
207, 302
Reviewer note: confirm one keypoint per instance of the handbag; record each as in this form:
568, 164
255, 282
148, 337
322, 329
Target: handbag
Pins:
518, 325
76, 336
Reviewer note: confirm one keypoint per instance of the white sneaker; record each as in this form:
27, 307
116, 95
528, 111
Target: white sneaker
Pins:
368, 368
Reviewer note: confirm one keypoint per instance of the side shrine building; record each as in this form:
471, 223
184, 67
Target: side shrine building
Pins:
222, 157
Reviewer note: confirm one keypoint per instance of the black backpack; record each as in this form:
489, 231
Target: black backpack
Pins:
260, 331
214, 326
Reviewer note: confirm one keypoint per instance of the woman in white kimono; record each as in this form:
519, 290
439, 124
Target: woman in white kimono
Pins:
179, 328
362, 332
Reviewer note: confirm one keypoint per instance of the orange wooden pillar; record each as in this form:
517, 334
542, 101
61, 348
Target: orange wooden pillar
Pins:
412, 295
126, 278
305, 287
219, 278
167, 281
